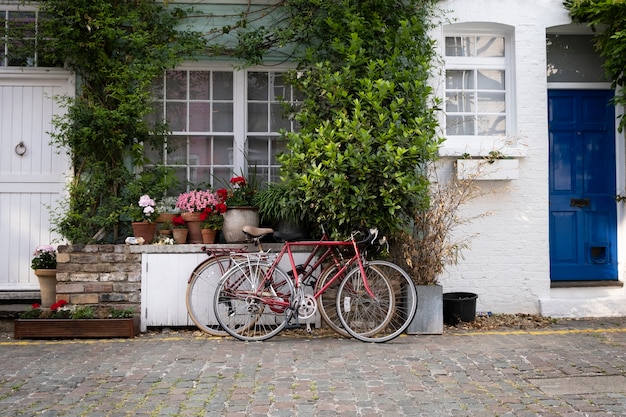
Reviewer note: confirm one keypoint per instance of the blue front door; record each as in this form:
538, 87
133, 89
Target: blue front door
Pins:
583, 221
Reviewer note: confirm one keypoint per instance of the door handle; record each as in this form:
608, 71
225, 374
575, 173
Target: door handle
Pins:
580, 202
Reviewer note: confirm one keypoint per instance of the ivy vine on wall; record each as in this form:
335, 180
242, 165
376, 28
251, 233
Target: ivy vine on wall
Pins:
116, 49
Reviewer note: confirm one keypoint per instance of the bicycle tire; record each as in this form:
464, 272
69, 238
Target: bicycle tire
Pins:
405, 296
404, 302
247, 312
327, 301
361, 314
200, 293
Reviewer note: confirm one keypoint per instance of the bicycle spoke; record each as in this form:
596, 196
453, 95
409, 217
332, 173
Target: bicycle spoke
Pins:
250, 307
362, 315
201, 290
404, 301
327, 304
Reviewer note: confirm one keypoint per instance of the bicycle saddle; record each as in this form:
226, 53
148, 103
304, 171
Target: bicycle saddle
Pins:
257, 231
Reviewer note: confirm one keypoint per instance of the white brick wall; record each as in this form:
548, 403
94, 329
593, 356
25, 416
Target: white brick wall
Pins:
508, 262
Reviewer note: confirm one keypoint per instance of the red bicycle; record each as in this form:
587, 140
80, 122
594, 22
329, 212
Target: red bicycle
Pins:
256, 299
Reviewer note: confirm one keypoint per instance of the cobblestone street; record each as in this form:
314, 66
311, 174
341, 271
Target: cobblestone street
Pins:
576, 368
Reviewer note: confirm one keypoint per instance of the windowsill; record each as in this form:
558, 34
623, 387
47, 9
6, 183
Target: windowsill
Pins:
585, 284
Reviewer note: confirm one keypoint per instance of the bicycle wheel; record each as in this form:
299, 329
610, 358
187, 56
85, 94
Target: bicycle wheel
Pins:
361, 314
405, 296
327, 301
201, 291
403, 307
249, 308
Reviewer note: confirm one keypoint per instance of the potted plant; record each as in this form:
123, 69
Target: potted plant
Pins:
212, 222
166, 207
179, 231
241, 211
143, 215
61, 320
279, 209
191, 205
427, 245
44, 264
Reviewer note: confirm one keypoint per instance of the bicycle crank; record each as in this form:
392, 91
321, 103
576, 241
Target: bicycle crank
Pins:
307, 307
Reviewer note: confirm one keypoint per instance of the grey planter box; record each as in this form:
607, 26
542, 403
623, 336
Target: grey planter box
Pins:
429, 315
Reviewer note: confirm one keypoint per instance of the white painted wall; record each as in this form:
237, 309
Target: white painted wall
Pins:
508, 262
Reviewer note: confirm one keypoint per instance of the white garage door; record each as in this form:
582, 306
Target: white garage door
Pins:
32, 172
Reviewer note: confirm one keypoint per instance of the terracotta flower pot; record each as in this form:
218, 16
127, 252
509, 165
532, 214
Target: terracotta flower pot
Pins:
193, 224
145, 230
180, 235
208, 235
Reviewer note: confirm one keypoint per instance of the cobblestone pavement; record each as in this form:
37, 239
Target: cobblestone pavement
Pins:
571, 369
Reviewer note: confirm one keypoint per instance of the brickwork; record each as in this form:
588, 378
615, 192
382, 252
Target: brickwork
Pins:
99, 274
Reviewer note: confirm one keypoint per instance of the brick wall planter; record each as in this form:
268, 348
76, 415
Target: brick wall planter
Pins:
75, 328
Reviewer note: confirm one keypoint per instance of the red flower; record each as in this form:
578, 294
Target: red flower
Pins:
206, 213
221, 208
178, 221
222, 193
36, 306
240, 181
58, 305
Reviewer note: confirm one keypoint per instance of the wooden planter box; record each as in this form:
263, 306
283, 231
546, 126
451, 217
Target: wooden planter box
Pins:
75, 328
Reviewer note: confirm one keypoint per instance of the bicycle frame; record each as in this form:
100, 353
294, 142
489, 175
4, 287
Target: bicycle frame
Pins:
276, 303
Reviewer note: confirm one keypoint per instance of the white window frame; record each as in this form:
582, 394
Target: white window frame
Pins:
5, 52
481, 145
240, 132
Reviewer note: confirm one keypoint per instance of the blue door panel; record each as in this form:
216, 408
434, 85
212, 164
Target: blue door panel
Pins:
583, 229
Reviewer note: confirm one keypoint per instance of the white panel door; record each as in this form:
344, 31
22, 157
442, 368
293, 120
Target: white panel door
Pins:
33, 173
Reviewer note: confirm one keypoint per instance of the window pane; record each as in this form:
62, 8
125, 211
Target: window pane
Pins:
199, 150
199, 117
176, 150
176, 82
223, 117
257, 117
153, 154
257, 86
221, 176
573, 58
490, 46
223, 150
490, 80
460, 79
279, 120
177, 116
460, 46
200, 177
181, 176
280, 90
222, 86
491, 125
157, 89
491, 103
199, 85
460, 102
460, 125
258, 151
279, 146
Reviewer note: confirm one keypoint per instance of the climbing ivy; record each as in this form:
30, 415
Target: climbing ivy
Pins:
116, 49
368, 120
608, 20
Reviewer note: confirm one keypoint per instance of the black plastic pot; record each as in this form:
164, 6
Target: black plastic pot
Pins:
459, 307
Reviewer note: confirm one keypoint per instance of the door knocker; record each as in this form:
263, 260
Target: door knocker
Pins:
20, 148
